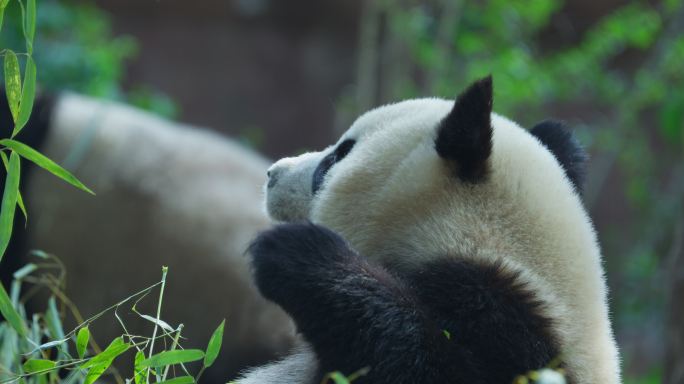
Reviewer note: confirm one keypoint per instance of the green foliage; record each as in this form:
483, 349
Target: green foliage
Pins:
75, 49
25, 358
214, 345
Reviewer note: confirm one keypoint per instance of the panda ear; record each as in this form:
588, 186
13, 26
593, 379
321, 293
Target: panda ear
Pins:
558, 138
464, 137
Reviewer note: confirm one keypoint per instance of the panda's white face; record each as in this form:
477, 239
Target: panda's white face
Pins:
359, 164
401, 189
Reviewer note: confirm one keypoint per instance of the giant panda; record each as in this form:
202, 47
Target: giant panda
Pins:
436, 242
166, 194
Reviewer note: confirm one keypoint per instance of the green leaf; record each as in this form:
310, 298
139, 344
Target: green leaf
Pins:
140, 373
179, 380
82, 341
12, 82
10, 314
178, 356
214, 345
45, 163
115, 348
96, 371
28, 94
22, 207
99, 364
37, 365
30, 25
338, 378
20, 200
9, 202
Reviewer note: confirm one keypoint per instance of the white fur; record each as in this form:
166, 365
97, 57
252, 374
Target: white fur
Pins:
298, 367
167, 194
393, 197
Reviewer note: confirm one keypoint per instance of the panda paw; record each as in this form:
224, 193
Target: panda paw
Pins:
292, 259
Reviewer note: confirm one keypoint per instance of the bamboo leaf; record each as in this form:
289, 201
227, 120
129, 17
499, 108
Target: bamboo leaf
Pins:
140, 373
12, 83
30, 25
42, 161
3, 5
82, 341
338, 378
214, 345
178, 356
37, 365
10, 314
99, 364
179, 380
9, 202
20, 200
28, 94
96, 371
115, 348
22, 207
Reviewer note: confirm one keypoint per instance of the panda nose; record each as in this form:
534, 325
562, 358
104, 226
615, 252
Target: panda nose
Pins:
272, 174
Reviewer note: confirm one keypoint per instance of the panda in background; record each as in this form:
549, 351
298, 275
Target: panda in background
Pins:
445, 245
167, 194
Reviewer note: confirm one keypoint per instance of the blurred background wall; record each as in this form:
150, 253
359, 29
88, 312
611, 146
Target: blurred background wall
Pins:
286, 76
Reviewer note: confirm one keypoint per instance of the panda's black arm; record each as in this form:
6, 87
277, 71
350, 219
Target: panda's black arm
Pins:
489, 311
354, 314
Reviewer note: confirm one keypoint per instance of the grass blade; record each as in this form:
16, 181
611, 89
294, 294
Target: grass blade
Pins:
28, 94
165, 358
214, 345
42, 161
12, 83
9, 202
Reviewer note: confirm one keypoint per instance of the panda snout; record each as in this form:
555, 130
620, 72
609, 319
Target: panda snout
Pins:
273, 174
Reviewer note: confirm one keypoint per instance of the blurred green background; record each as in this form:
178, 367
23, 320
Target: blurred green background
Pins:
287, 76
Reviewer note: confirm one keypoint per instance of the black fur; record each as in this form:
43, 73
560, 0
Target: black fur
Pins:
33, 134
558, 138
357, 314
464, 137
328, 161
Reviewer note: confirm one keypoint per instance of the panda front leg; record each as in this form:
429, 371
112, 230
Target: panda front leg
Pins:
355, 314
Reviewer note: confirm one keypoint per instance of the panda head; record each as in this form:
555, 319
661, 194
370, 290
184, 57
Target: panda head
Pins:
432, 174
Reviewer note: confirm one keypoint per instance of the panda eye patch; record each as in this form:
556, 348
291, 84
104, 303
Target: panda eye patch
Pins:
328, 161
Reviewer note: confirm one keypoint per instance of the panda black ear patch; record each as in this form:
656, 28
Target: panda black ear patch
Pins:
464, 137
558, 138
